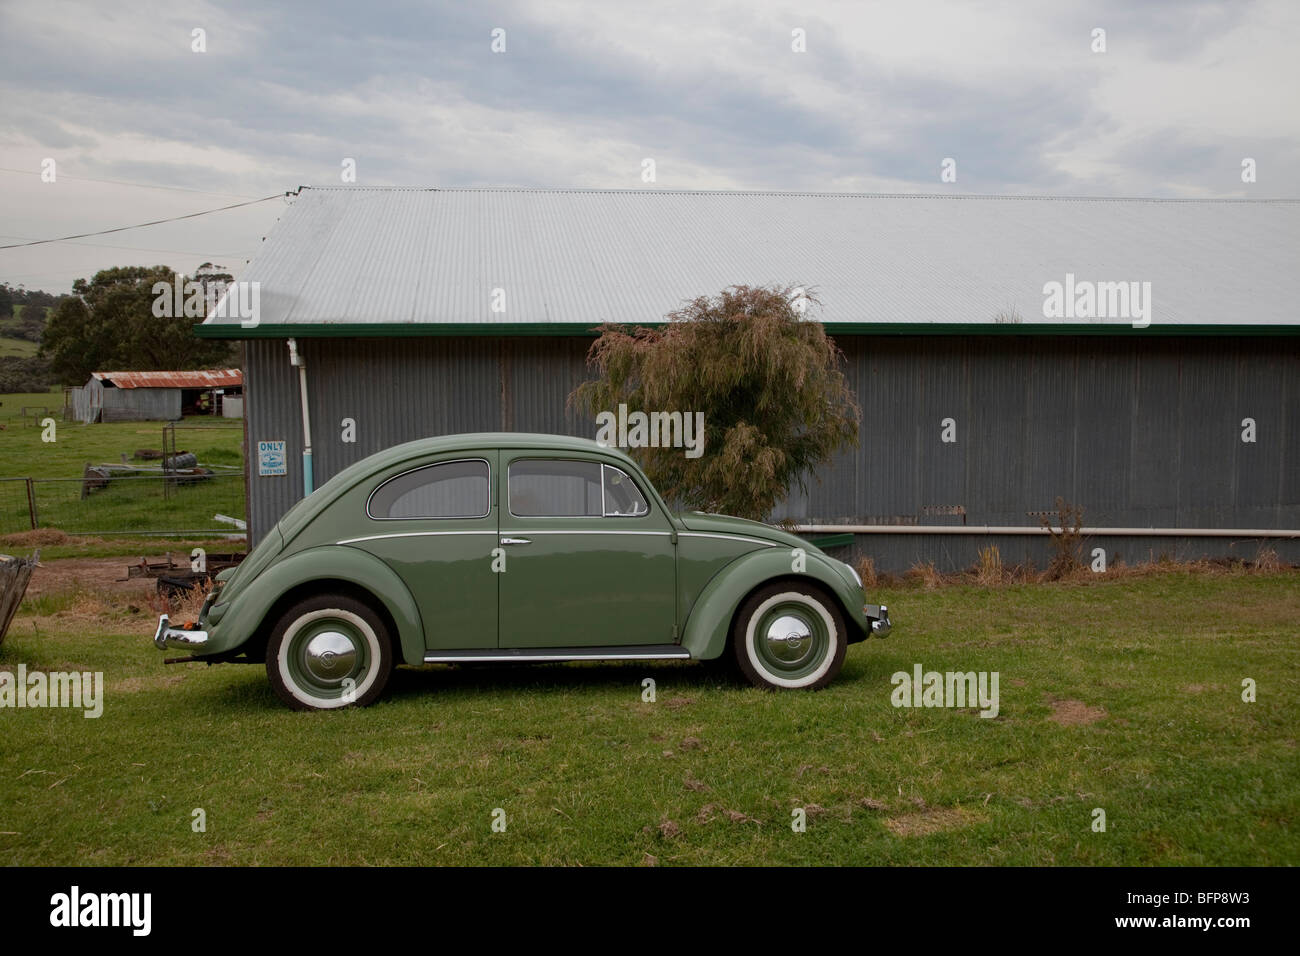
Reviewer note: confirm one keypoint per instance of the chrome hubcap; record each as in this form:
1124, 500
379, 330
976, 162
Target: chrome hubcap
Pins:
789, 639
330, 656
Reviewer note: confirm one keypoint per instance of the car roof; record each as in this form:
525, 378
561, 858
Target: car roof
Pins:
470, 441
473, 440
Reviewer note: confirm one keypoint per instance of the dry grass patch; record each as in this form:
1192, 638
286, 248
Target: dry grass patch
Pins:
1074, 713
932, 820
1266, 559
182, 606
40, 538
866, 568
925, 574
989, 571
133, 685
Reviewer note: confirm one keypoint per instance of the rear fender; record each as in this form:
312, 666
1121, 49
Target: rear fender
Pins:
248, 609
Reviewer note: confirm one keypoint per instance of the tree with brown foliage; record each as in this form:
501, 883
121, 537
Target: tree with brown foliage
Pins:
767, 379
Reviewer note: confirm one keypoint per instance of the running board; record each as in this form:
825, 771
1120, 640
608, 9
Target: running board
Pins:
540, 655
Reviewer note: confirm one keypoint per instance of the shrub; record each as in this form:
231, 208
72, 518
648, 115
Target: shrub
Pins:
1067, 539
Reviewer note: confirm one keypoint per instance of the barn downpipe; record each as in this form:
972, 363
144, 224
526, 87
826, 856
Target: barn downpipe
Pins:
295, 359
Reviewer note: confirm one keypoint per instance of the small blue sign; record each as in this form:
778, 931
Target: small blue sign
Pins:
271, 459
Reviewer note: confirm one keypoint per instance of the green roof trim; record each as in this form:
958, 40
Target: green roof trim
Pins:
352, 330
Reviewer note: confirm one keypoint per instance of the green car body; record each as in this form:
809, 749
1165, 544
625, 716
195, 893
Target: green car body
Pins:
643, 584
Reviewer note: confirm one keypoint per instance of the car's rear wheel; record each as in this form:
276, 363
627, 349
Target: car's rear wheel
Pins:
789, 636
329, 651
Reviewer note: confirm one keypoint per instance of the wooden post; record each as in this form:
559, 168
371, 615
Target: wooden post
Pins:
14, 575
31, 503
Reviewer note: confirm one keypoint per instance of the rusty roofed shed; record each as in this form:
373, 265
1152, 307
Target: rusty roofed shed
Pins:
146, 396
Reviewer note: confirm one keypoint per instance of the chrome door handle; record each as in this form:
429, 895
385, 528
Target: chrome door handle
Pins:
515, 541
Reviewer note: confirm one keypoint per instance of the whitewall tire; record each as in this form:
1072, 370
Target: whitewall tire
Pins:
789, 636
329, 651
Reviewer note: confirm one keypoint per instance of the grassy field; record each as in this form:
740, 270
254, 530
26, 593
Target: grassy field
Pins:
11, 345
1121, 694
19, 347
130, 505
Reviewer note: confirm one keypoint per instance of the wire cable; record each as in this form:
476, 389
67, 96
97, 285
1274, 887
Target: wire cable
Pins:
141, 225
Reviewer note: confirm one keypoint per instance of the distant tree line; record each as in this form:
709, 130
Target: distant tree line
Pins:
108, 322
22, 311
22, 317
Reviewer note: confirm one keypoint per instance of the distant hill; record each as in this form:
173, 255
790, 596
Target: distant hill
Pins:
23, 313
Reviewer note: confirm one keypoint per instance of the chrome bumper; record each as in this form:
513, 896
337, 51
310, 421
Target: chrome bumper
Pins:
167, 636
878, 615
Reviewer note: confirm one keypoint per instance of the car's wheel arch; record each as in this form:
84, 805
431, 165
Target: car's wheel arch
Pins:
709, 625
337, 569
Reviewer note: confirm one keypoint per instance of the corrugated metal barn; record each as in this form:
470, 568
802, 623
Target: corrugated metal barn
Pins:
419, 312
145, 396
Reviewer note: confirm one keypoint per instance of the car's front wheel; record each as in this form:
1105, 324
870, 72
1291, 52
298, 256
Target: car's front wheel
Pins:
329, 651
789, 635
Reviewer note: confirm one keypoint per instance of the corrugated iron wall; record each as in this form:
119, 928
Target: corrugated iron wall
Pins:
86, 401
1137, 431
93, 402
141, 404
396, 390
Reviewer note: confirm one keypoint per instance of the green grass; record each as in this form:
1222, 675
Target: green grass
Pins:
11, 404
125, 505
588, 773
19, 347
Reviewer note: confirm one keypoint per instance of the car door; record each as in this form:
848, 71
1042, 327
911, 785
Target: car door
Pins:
589, 557
436, 525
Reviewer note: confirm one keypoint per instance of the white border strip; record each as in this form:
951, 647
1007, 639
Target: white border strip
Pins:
1021, 529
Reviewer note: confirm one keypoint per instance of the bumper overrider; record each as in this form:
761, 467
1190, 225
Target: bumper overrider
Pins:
186, 636
878, 615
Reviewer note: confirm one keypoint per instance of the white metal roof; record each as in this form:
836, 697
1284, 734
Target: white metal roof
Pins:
391, 258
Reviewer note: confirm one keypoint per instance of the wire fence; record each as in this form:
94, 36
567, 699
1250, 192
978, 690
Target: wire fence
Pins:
123, 504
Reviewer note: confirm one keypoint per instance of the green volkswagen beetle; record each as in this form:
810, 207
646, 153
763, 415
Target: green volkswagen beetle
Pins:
518, 548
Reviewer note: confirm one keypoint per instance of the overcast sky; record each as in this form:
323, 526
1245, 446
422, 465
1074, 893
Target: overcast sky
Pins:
585, 91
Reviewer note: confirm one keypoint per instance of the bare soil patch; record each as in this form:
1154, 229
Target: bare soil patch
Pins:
100, 575
1074, 713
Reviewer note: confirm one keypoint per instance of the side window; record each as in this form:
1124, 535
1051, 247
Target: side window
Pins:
450, 489
622, 497
542, 488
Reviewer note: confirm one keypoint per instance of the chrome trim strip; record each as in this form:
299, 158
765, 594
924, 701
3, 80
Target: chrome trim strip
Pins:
408, 534
592, 531
684, 534
727, 537
550, 657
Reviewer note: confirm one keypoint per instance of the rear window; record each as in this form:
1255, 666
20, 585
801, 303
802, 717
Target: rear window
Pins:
449, 489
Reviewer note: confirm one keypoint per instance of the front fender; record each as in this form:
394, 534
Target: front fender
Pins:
709, 623
247, 609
